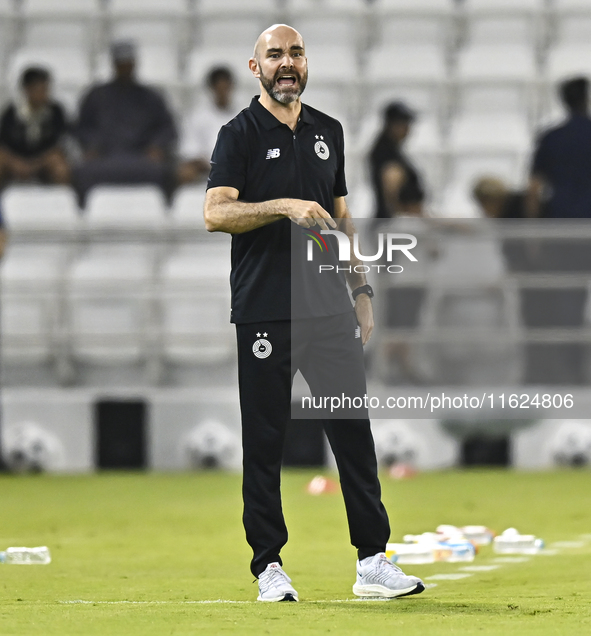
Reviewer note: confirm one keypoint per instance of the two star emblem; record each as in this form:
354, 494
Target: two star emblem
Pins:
264, 335
319, 137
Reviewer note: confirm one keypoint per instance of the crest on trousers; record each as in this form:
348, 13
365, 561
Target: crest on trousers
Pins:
262, 347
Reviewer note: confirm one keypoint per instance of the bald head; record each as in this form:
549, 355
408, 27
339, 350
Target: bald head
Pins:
279, 63
277, 32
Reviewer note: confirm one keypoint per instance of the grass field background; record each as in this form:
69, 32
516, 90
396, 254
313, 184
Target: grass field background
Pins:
144, 550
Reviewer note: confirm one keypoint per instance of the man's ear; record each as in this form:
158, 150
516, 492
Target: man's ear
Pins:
253, 65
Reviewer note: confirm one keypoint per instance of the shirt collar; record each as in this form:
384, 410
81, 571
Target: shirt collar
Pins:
269, 121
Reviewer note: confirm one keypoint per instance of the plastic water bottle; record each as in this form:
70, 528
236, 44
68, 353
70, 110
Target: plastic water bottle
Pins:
456, 551
410, 553
511, 542
26, 556
478, 535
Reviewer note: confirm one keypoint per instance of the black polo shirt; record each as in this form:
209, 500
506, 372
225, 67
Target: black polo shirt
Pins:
264, 160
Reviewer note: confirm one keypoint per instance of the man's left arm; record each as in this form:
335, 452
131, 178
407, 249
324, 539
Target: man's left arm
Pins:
363, 307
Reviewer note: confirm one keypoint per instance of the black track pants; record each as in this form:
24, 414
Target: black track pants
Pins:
325, 350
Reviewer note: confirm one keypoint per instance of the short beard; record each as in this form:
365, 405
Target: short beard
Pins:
283, 97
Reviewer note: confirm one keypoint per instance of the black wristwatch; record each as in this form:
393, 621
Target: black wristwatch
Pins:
364, 289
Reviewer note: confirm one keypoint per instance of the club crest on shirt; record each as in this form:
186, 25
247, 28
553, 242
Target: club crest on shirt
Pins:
262, 347
320, 148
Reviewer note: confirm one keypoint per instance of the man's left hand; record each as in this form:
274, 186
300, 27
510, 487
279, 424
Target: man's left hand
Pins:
364, 313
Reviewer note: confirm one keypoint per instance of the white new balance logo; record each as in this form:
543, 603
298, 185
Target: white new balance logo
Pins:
273, 153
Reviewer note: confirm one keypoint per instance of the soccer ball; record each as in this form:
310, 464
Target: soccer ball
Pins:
211, 444
29, 448
571, 443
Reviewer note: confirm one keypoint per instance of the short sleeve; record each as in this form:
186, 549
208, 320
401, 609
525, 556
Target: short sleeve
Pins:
340, 184
228, 161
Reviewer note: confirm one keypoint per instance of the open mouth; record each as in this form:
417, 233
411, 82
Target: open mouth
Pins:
286, 80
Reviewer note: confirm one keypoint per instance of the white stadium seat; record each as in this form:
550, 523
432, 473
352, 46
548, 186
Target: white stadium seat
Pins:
125, 207
40, 208
504, 6
489, 131
509, 62
187, 208
236, 7
195, 300
58, 8
568, 60
502, 30
143, 8
240, 30
29, 282
406, 63
406, 7
108, 305
573, 30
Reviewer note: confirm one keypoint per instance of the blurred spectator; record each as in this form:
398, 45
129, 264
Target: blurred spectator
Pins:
497, 201
201, 127
562, 159
396, 182
31, 131
2, 234
125, 129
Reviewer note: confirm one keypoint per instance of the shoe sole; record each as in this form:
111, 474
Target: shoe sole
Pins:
379, 591
289, 598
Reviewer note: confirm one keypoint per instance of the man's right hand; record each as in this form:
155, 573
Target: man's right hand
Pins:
308, 214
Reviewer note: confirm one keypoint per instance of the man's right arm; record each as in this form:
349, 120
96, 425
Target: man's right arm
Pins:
223, 212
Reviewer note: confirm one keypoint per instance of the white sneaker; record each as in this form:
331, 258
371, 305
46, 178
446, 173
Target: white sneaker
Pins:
275, 585
378, 576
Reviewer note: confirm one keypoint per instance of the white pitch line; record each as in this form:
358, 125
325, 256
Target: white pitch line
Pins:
480, 568
452, 576
509, 559
220, 601
568, 544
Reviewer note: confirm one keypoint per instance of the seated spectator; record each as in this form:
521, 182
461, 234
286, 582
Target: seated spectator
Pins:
31, 131
562, 160
125, 129
201, 127
397, 184
497, 201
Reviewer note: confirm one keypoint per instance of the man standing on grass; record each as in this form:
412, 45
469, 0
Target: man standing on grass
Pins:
280, 162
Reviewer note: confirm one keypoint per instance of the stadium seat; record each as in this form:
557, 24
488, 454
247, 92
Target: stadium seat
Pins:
489, 131
195, 297
187, 208
144, 8
406, 7
334, 7
29, 282
240, 30
502, 30
262, 8
503, 6
492, 98
125, 207
40, 208
508, 62
567, 6
415, 29
109, 301
568, 60
406, 63
572, 29
323, 30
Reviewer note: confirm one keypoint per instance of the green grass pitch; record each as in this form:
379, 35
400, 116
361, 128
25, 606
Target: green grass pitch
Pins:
144, 550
